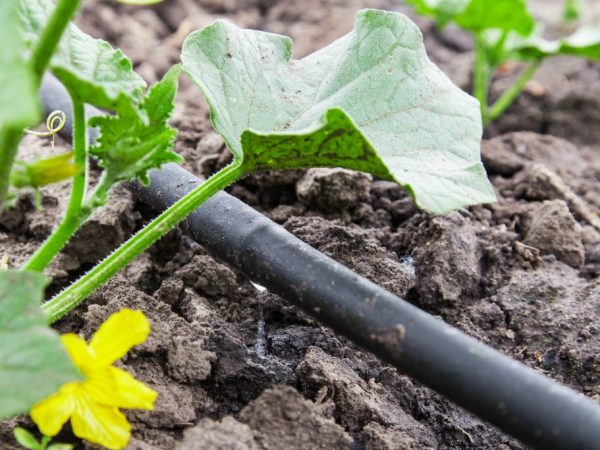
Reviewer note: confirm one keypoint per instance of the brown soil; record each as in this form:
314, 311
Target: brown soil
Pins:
237, 368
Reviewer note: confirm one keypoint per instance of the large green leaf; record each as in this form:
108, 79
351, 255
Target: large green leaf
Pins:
18, 95
479, 15
33, 363
90, 68
128, 146
370, 101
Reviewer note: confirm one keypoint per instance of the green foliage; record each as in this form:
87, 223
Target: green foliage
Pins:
506, 15
28, 441
371, 101
19, 103
44, 171
90, 68
584, 42
479, 15
33, 363
572, 10
505, 30
128, 146
443, 11
134, 141
25, 438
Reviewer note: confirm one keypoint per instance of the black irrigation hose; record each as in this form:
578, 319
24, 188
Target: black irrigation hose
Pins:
518, 400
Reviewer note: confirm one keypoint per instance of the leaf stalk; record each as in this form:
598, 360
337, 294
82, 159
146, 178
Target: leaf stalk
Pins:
61, 17
75, 214
511, 94
73, 295
10, 137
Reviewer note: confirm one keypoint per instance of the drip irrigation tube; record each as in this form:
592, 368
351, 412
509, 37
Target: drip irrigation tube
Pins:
518, 400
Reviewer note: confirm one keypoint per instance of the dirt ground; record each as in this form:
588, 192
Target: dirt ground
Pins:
237, 368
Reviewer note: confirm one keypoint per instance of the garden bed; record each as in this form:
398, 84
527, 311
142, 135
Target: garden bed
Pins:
237, 367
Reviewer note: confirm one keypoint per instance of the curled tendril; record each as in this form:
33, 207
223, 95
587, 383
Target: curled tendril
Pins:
54, 123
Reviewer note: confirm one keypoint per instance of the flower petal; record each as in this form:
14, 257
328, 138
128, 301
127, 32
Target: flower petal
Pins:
103, 425
132, 393
115, 387
77, 349
119, 333
53, 412
102, 386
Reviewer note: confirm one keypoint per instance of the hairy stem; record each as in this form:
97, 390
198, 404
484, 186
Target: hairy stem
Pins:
61, 17
72, 296
511, 94
11, 137
75, 214
482, 76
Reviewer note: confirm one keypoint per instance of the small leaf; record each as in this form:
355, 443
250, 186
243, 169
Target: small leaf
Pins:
90, 68
33, 363
18, 96
61, 447
129, 147
26, 439
479, 15
44, 171
370, 101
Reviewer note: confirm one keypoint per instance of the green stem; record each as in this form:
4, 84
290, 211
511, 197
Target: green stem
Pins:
75, 214
11, 137
482, 76
499, 48
571, 11
511, 94
61, 17
72, 296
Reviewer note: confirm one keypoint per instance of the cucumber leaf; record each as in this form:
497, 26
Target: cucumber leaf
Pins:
370, 101
443, 11
90, 68
18, 97
128, 147
583, 42
33, 362
506, 15
479, 15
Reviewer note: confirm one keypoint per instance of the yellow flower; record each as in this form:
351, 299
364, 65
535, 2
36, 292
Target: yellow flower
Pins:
93, 404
